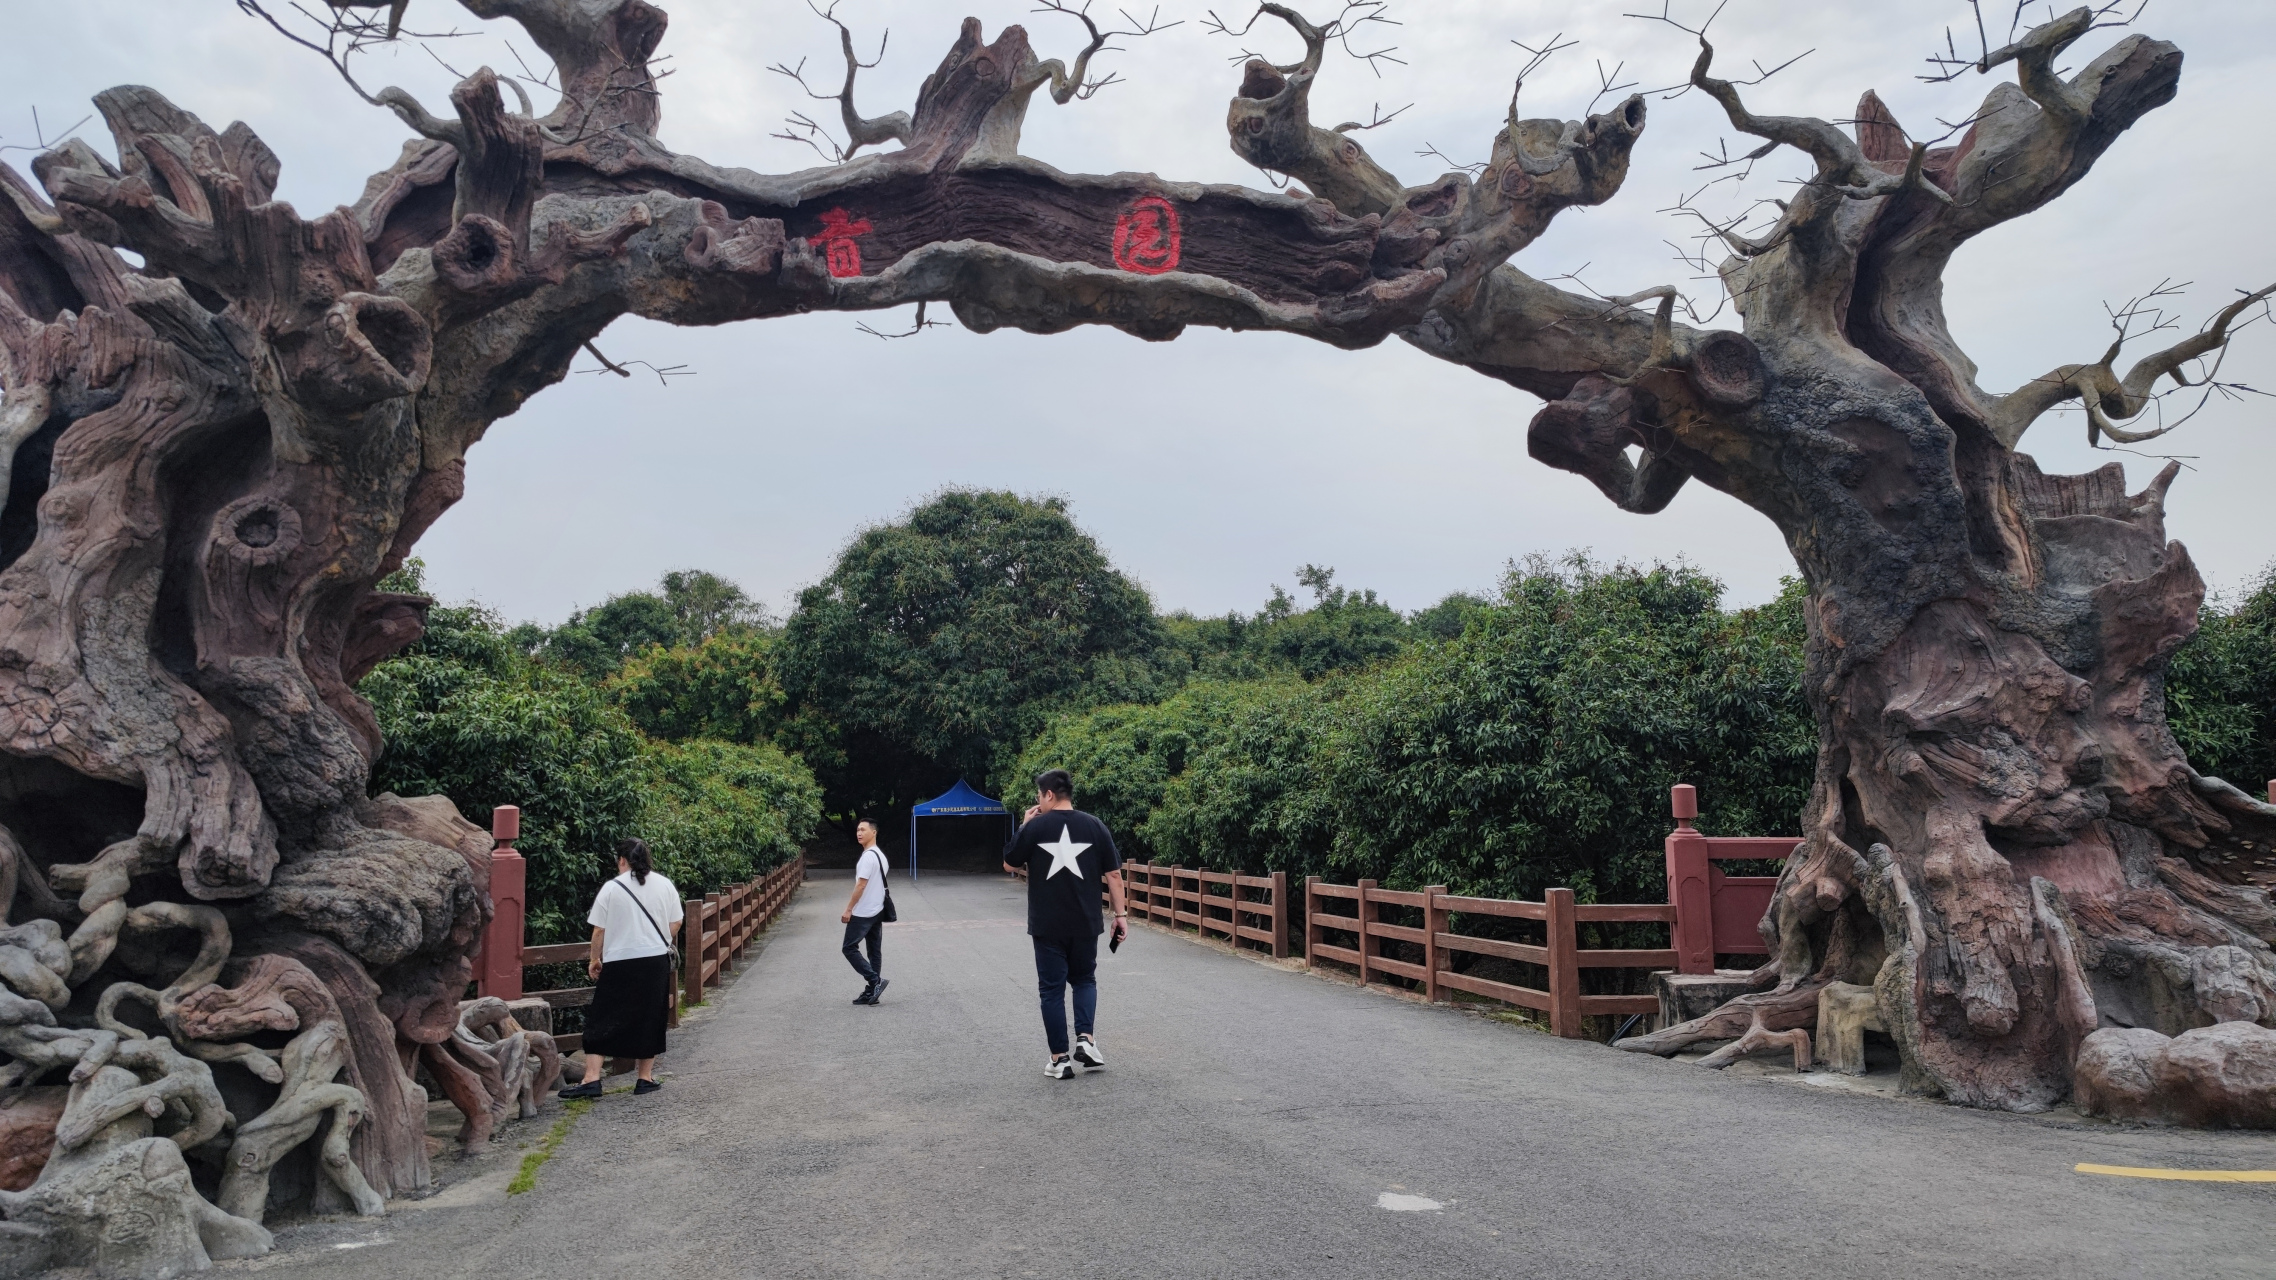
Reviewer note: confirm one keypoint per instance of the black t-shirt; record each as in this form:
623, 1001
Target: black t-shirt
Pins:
1067, 854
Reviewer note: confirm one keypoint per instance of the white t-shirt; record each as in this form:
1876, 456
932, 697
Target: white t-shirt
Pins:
871, 865
625, 933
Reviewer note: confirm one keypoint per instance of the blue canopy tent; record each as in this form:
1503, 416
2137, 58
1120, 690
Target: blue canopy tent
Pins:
959, 801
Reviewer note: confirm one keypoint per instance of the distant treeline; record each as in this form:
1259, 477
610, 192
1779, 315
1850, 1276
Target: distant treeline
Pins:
1497, 744
473, 713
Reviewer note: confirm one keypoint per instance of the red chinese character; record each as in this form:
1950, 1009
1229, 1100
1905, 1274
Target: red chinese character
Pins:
1146, 239
839, 248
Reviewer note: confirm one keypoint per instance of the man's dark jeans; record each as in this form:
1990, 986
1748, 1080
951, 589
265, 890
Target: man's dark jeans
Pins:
872, 929
1061, 963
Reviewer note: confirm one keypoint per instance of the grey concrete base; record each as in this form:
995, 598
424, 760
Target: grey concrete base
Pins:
532, 1014
1684, 996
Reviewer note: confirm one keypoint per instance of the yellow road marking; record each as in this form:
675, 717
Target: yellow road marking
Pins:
2180, 1175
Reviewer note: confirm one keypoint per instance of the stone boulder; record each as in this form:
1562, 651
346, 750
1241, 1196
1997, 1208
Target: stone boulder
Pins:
2218, 1077
27, 1133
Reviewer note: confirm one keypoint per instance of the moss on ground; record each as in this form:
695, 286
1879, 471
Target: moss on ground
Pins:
525, 1179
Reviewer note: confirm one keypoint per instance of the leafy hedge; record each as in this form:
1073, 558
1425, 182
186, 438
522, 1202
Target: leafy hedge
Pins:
2221, 689
468, 714
1536, 747
1533, 749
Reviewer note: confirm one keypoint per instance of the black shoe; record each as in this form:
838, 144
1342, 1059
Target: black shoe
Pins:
877, 994
645, 1087
592, 1090
868, 995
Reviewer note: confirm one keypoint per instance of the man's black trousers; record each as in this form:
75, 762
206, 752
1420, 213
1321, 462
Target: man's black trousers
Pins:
871, 929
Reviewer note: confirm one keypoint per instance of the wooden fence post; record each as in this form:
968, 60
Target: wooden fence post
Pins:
498, 969
1311, 920
691, 950
1280, 914
715, 950
1690, 889
1431, 928
1366, 915
1564, 966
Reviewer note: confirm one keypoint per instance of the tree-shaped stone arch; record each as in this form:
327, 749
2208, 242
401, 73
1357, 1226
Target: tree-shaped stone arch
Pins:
219, 453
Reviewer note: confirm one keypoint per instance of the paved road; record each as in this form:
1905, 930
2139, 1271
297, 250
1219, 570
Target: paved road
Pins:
1249, 1123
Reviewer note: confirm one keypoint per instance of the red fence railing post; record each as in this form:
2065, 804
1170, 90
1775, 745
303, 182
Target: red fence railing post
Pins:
1431, 930
1689, 888
499, 972
1366, 914
1311, 919
691, 950
1564, 966
1280, 915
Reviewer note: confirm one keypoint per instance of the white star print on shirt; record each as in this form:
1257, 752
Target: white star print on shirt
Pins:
1063, 853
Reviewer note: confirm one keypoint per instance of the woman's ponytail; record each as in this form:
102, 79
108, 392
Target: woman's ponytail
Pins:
635, 852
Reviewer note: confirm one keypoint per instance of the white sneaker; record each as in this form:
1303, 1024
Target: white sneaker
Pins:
1060, 1068
1087, 1053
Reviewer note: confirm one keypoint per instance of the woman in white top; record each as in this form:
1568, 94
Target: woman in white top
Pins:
634, 918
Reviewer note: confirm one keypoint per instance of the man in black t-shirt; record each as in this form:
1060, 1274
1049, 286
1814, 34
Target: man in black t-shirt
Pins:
1067, 855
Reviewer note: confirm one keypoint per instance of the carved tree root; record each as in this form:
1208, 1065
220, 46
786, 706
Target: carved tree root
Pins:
1766, 1020
125, 1210
1846, 1011
311, 1063
490, 1063
114, 1197
463, 1084
528, 1064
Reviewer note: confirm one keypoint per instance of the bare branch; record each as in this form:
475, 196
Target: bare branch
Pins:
664, 373
1354, 18
2105, 397
1068, 85
1375, 121
2039, 45
41, 142
1473, 168
860, 131
921, 324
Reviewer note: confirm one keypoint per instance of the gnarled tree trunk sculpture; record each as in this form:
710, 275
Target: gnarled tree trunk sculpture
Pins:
218, 454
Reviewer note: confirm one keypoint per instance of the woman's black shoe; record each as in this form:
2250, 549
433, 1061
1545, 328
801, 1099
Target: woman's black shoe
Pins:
877, 993
592, 1090
868, 995
645, 1086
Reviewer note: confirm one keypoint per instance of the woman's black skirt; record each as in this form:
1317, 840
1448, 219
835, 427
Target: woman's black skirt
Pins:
631, 1002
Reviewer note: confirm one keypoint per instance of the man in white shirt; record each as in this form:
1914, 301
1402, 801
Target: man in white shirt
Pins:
861, 916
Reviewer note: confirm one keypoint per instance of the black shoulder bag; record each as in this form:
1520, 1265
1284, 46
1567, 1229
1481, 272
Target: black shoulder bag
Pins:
888, 915
671, 949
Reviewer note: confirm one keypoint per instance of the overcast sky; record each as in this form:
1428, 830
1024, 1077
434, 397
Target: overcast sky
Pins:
1212, 466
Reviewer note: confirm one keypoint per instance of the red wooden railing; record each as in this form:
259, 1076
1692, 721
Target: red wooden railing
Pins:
1560, 951
719, 928
1716, 913
1707, 913
1184, 895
